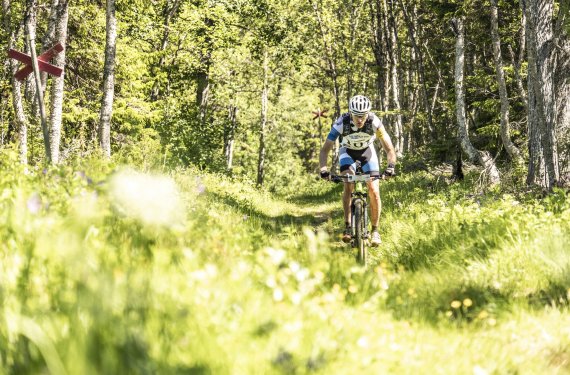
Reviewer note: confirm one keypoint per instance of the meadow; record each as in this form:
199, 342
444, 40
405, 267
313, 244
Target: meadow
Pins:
110, 270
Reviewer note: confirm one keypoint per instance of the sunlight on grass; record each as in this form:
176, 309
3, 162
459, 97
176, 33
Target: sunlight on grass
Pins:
199, 273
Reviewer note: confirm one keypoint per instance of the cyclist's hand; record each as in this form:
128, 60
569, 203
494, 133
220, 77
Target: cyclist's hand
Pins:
389, 172
325, 175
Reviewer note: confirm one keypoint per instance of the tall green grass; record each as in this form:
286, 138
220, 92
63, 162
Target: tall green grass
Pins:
106, 270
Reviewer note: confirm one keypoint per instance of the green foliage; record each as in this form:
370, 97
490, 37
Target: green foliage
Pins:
108, 270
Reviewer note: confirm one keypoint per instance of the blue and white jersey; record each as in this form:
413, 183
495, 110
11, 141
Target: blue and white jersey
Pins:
351, 136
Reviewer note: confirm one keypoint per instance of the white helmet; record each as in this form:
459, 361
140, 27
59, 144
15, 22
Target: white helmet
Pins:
359, 105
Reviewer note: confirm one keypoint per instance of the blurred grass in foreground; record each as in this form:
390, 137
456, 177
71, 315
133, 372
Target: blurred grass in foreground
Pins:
111, 271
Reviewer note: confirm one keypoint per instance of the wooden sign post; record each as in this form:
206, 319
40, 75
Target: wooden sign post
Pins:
43, 62
36, 65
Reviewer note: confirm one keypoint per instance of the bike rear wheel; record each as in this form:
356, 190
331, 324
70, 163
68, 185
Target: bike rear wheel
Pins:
359, 233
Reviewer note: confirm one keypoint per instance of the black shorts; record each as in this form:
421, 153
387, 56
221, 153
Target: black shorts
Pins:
367, 158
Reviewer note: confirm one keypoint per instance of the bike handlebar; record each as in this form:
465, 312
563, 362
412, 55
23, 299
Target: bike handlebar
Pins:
354, 178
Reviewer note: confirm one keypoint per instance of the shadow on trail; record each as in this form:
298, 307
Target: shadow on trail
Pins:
324, 194
269, 223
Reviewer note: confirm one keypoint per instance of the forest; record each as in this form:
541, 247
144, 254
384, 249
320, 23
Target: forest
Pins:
161, 211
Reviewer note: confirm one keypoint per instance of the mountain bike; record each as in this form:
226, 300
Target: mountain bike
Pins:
359, 211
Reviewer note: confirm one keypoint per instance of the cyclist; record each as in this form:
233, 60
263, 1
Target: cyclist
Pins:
357, 130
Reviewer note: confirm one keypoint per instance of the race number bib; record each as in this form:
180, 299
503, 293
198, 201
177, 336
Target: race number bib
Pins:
357, 141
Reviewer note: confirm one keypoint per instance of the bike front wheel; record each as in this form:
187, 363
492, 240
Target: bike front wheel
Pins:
359, 232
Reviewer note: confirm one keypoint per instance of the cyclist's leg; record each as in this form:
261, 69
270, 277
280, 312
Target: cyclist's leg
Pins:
346, 167
370, 166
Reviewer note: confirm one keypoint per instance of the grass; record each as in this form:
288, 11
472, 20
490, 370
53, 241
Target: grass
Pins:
113, 271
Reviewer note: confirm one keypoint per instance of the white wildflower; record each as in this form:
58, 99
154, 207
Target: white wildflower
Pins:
151, 199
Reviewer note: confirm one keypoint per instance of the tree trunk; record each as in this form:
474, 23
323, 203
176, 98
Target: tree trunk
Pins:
30, 39
388, 69
479, 157
49, 37
29, 83
108, 81
512, 150
21, 123
380, 52
536, 165
543, 163
395, 76
168, 12
230, 136
332, 74
203, 75
420, 64
57, 86
518, 62
562, 89
264, 105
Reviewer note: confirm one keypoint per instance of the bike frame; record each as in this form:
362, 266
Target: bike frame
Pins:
359, 196
358, 210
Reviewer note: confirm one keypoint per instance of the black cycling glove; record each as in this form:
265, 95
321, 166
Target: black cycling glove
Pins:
325, 175
390, 171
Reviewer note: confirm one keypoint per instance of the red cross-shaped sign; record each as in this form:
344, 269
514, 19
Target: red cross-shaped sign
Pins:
42, 62
318, 113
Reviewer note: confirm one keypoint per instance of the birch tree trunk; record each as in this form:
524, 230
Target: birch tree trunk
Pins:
108, 81
395, 53
420, 63
21, 123
518, 62
380, 52
58, 82
482, 158
49, 37
29, 20
512, 150
543, 163
331, 73
263, 124
29, 83
388, 69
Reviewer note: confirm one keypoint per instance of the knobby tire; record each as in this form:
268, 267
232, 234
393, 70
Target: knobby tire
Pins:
359, 232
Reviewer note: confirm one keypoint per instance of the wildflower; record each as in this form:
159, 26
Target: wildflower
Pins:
296, 298
467, 302
34, 203
483, 315
277, 295
478, 370
456, 304
200, 187
277, 256
151, 199
271, 283
362, 342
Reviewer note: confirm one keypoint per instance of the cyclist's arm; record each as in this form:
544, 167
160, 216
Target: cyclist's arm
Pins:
324, 154
387, 145
333, 135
